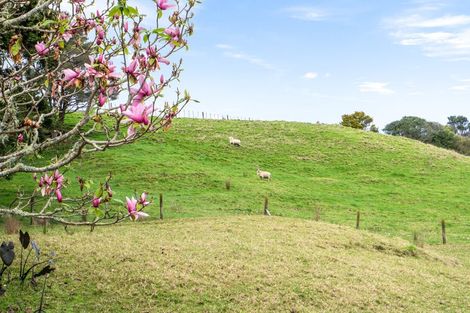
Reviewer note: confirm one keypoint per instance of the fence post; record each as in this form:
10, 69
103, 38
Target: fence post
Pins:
417, 240
161, 206
317, 214
266, 206
31, 207
358, 219
444, 236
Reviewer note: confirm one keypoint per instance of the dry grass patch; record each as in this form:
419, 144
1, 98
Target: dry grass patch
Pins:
246, 264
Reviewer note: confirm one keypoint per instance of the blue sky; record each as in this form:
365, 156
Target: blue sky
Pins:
316, 60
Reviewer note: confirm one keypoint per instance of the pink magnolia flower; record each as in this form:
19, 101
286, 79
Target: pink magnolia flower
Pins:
90, 24
145, 90
58, 195
48, 179
143, 199
102, 99
173, 32
162, 79
72, 77
131, 69
134, 214
59, 179
135, 41
137, 112
99, 34
126, 26
63, 15
142, 61
100, 16
46, 184
96, 202
163, 5
41, 48
163, 60
112, 74
100, 68
151, 52
20, 138
67, 36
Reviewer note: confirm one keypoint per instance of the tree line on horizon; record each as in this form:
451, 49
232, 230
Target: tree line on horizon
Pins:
455, 135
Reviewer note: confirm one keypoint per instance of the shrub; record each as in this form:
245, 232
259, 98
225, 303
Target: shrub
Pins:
462, 145
358, 120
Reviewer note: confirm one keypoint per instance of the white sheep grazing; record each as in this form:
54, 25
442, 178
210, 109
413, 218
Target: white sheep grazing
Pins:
263, 174
235, 142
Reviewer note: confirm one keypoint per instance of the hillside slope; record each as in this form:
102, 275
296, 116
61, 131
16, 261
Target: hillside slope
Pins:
399, 185
244, 264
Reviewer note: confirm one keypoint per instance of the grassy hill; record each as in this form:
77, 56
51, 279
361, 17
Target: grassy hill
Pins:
244, 264
399, 185
214, 252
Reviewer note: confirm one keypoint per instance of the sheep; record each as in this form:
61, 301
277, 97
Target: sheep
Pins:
263, 174
235, 142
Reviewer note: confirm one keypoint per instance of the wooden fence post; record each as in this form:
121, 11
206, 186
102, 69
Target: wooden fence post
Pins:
444, 236
31, 207
317, 214
161, 206
358, 219
266, 206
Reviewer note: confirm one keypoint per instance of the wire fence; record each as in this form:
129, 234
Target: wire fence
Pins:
212, 116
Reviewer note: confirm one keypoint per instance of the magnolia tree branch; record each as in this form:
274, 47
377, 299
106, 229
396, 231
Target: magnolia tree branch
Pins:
41, 5
104, 66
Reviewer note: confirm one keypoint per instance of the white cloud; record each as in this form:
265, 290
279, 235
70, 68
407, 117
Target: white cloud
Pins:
250, 59
310, 75
223, 46
231, 52
460, 88
375, 87
437, 34
464, 85
418, 21
306, 13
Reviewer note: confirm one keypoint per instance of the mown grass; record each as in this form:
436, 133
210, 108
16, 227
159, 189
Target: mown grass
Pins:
399, 185
244, 264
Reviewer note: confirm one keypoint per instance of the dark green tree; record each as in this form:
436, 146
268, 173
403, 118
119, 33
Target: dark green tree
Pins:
459, 124
428, 132
409, 126
441, 136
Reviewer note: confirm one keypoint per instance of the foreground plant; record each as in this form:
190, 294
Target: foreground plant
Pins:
29, 261
106, 66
